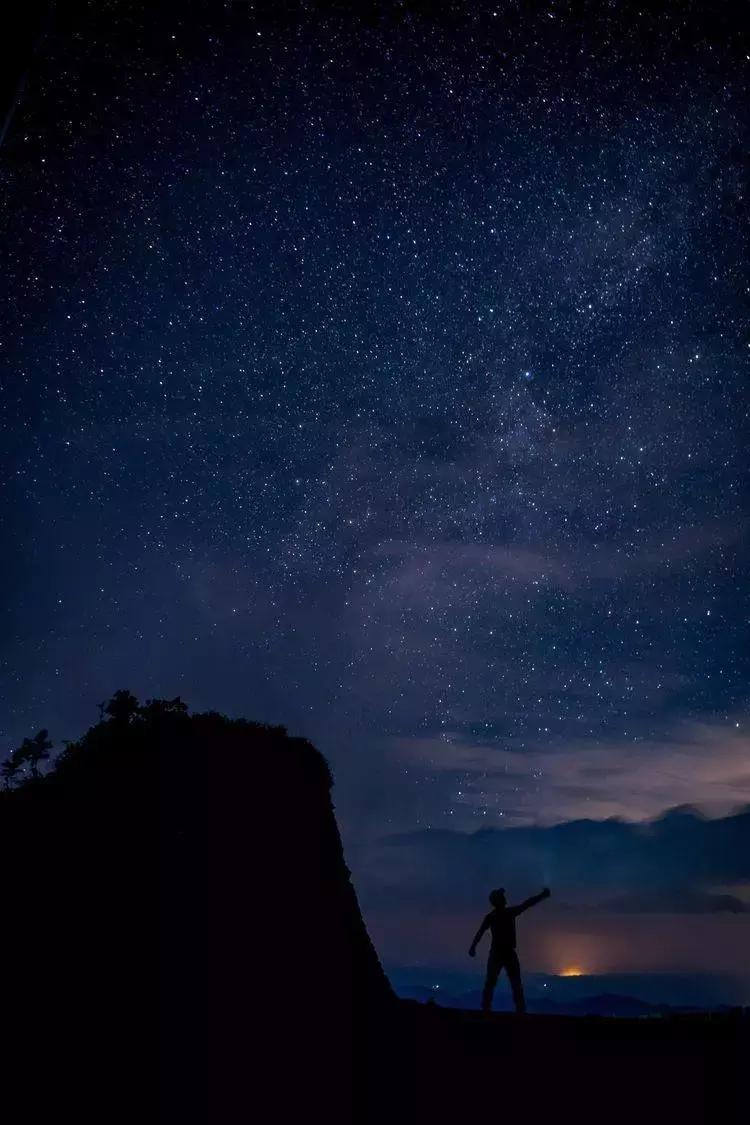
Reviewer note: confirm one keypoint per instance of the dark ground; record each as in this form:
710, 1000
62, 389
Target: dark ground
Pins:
548, 1068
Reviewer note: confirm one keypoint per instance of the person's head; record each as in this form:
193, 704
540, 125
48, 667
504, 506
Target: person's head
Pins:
497, 897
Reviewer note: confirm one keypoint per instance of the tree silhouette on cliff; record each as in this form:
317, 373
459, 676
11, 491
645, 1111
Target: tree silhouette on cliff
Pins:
32, 752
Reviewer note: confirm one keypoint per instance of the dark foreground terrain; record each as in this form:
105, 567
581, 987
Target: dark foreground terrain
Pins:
168, 885
549, 1068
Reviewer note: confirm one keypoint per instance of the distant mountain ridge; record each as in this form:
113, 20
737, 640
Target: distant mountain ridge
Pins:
698, 990
596, 1004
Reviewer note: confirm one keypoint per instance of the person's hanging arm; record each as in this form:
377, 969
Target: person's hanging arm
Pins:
530, 901
478, 936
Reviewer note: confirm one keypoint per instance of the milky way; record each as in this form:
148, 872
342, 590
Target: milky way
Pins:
385, 377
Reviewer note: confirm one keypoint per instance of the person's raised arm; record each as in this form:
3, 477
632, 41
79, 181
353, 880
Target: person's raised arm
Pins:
531, 901
478, 936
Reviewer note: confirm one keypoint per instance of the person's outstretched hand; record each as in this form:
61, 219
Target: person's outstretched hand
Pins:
472, 952
546, 892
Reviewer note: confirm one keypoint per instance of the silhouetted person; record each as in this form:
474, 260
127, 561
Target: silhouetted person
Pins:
501, 922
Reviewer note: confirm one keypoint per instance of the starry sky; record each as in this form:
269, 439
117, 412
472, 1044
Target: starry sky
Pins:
384, 374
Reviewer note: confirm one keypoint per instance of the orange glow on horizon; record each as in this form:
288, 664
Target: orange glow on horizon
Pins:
573, 971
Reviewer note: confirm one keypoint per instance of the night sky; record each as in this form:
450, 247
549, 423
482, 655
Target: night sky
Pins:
385, 376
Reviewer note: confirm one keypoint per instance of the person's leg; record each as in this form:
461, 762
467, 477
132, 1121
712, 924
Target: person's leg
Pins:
513, 969
493, 970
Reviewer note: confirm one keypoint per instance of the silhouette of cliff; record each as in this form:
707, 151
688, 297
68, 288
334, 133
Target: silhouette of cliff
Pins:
177, 884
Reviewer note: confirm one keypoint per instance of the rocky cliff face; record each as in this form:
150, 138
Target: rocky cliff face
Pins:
180, 886
266, 927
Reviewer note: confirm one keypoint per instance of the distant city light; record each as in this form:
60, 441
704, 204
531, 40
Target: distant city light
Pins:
573, 971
